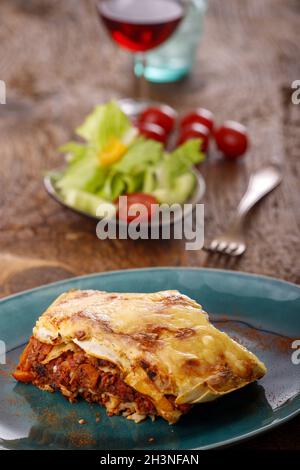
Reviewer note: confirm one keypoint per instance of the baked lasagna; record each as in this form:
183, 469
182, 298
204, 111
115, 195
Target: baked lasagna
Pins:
138, 355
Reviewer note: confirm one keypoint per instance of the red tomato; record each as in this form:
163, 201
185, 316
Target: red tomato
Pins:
231, 139
152, 131
164, 116
195, 131
137, 204
200, 115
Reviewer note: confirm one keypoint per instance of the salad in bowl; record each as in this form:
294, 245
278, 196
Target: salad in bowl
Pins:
112, 158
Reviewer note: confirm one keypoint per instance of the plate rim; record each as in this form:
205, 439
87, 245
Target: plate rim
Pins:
142, 104
150, 268
223, 443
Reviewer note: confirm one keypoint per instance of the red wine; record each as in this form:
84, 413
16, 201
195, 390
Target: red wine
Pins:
139, 25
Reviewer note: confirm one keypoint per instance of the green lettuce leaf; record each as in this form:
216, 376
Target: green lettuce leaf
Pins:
189, 153
140, 155
173, 175
87, 202
114, 185
85, 174
182, 158
118, 183
76, 149
180, 191
105, 122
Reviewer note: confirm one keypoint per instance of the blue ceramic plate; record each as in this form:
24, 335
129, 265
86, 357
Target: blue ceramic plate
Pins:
262, 313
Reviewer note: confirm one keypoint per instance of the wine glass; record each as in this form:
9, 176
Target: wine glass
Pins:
141, 25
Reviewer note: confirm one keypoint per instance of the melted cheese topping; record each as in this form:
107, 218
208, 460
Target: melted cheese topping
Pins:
163, 342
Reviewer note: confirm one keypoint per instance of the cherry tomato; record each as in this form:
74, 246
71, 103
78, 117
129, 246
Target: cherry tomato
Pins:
201, 115
231, 139
152, 131
164, 116
195, 131
138, 204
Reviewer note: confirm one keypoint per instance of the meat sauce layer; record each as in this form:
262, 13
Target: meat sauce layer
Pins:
74, 373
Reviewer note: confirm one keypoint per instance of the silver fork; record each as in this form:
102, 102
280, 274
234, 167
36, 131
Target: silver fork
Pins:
232, 241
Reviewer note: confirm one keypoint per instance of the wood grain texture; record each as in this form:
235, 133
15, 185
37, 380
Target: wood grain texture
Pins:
57, 63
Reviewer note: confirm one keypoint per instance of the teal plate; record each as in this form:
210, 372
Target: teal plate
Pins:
262, 313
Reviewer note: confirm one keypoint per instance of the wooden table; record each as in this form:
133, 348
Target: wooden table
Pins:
57, 63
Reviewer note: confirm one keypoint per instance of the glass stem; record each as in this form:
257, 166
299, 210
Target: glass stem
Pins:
140, 64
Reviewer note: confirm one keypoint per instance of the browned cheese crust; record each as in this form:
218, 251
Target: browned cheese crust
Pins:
160, 347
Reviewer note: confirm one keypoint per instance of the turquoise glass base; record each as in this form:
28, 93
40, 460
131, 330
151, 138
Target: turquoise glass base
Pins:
164, 75
157, 74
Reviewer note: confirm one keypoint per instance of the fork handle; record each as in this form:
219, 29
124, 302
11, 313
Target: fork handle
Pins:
260, 184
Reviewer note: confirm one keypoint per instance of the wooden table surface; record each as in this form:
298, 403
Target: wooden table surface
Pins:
57, 63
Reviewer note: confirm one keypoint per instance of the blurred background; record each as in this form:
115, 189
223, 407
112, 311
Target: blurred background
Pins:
58, 61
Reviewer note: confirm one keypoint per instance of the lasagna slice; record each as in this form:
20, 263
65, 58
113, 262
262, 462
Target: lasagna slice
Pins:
136, 354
